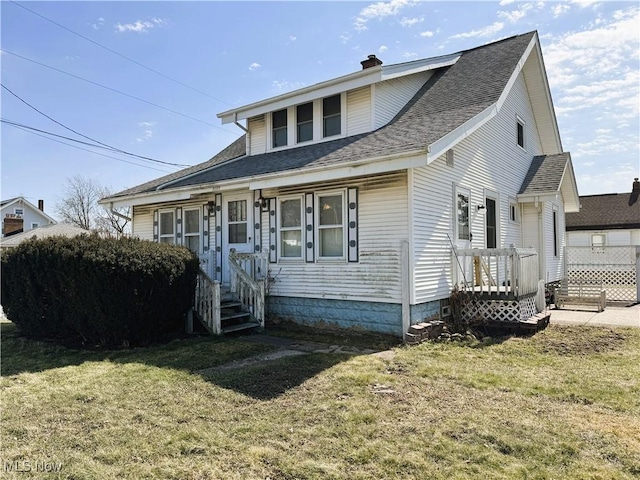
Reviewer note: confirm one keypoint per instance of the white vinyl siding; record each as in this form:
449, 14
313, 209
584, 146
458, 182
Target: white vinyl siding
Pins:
382, 226
142, 223
359, 111
490, 159
390, 96
258, 137
553, 264
582, 238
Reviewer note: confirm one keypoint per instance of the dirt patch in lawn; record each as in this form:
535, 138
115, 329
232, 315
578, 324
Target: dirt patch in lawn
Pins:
575, 342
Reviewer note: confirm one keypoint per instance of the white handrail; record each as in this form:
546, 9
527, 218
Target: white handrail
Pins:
248, 272
207, 302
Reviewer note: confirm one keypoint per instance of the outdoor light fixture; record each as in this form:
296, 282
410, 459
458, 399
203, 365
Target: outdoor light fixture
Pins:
481, 207
264, 204
211, 206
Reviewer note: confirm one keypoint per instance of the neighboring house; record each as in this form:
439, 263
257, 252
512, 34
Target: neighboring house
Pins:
358, 187
53, 230
19, 215
609, 219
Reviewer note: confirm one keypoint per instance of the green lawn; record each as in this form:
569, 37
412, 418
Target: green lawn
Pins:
563, 404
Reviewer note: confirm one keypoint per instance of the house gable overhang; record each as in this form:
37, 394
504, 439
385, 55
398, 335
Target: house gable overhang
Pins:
31, 206
566, 189
532, 67
334, 86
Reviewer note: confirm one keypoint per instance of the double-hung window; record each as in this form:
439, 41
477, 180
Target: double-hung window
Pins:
304, 119
279, 128
331, 231
167, 227
331, 116
520, 132
192, 229
290, 216
462, 214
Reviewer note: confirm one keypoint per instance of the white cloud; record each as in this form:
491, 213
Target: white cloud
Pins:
560, 9
410, 22
145, 136
140, 26
482, 32
292, 38
146, 124
427, 34
345, 37
383, 48
379, 10
286, 85
98, 24
506, 2
584, 3
409, 55
254, 66
515, 15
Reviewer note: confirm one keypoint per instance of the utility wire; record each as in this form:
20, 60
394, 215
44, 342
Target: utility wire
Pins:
16, 124
85, 136
120, 54
118, 91
90, 151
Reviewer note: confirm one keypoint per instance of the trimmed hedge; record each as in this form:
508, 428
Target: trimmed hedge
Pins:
98, 290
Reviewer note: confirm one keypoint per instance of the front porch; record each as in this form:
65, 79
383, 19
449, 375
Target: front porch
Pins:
240, 305
503, 286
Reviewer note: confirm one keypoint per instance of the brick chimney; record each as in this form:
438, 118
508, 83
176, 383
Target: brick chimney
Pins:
41, 205
636, 186
372, 61
12, 224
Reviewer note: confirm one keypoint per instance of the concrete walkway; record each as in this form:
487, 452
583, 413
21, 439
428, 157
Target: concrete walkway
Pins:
611, 316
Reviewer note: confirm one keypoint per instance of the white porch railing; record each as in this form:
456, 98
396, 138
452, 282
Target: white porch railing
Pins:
207, 302
248, 275
497, 272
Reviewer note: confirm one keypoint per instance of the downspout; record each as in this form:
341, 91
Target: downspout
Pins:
542, 257
246, 131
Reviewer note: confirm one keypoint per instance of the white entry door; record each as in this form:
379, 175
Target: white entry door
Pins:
236, 228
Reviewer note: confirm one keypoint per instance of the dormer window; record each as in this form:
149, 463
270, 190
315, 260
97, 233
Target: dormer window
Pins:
304, 119
279, 120
331, 116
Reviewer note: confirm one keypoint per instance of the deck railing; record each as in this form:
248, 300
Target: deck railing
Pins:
497, 272
207, 302
248, 275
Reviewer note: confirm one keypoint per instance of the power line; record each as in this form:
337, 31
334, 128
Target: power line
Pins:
118, 91
85, 136
90, 151
120, 54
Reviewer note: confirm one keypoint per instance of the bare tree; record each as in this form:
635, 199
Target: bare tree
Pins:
79, 206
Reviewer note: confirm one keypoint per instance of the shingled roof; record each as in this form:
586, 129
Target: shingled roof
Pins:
452, 96
545, 174
607, 212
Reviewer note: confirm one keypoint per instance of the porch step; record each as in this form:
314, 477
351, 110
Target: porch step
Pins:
235, 316
240, 326
229, 304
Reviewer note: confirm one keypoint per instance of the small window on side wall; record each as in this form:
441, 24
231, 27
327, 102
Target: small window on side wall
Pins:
514, 216
520, 132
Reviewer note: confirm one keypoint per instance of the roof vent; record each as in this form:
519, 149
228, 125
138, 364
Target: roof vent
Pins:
372, 61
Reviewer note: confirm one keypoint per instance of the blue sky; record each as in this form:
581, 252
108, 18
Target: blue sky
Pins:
220, 55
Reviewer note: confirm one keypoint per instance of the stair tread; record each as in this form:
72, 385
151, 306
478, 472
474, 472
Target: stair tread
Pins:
240, 326
230, 304
235, 315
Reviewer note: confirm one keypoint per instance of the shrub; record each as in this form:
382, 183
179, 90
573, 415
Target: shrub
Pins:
100, 290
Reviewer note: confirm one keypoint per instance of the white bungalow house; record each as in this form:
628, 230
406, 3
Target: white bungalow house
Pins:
368, 192
19, 215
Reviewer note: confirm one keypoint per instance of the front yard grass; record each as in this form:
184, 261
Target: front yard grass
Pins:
564, 403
